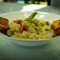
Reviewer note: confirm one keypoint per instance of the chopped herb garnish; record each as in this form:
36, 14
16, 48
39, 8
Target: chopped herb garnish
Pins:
46, 29
51, 26
47, 23
16, 31
37, 33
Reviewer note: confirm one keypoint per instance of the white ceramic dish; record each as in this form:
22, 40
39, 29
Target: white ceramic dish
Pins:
41, 15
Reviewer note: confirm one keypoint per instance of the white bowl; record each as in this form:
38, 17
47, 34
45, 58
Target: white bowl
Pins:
41, 15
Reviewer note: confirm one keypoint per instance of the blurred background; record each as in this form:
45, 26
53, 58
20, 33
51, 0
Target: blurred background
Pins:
52, 6
41, 2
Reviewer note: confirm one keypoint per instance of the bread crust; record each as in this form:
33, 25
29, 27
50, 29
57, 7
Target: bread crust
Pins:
56, 25
4, 25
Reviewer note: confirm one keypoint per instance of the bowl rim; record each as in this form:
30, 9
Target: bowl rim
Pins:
29, 39
28, 11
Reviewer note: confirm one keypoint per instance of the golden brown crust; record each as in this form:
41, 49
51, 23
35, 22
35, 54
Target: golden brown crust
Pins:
57, 31
56, 25
3, 24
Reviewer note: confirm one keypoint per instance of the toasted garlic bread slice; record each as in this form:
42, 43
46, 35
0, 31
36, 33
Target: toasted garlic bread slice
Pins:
56, 25
4, 24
